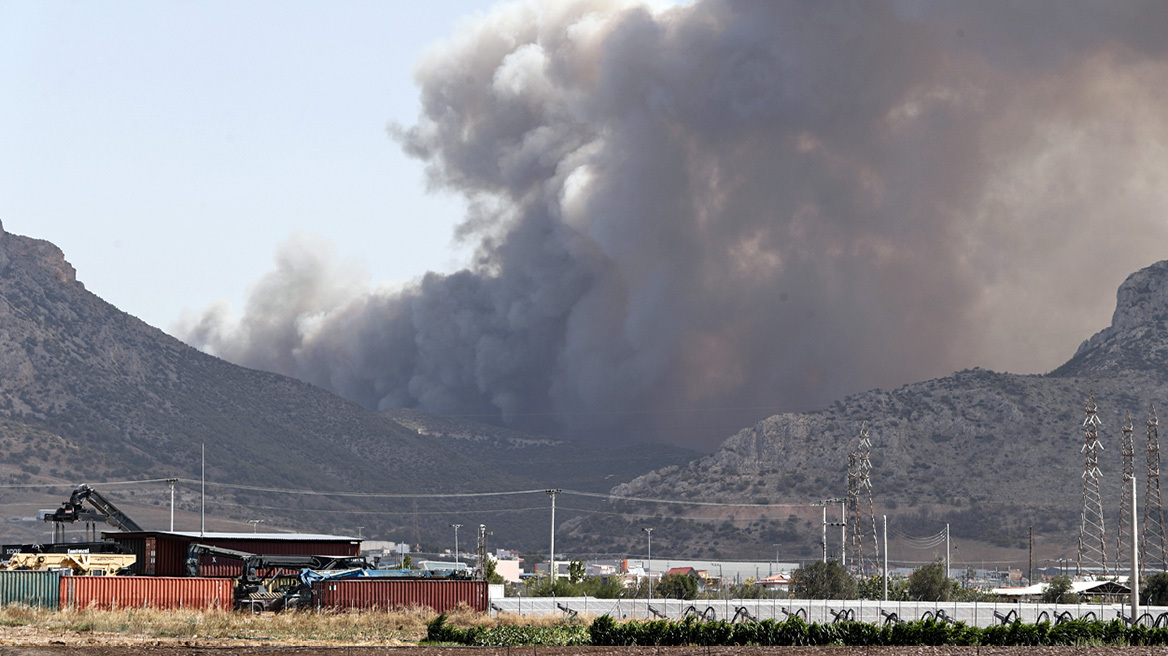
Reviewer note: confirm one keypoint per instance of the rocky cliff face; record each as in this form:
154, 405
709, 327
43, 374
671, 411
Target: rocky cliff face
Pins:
967, 445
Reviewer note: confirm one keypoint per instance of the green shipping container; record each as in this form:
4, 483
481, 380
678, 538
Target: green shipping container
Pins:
32, 588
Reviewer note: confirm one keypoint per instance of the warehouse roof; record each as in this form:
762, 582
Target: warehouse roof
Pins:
264, 536
211, 535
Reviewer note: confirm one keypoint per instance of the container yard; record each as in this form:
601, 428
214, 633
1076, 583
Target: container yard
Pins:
172, 570
60, 590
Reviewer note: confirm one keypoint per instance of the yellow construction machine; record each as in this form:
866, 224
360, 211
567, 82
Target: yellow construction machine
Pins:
87, 564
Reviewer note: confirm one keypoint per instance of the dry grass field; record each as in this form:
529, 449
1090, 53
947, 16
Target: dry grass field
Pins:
21, 625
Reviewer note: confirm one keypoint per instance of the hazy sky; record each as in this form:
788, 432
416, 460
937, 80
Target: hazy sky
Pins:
710, 210
169, 147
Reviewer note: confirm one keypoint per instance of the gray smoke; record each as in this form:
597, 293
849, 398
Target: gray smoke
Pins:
688, 219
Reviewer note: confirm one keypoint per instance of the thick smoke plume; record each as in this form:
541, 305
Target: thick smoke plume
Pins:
690, 218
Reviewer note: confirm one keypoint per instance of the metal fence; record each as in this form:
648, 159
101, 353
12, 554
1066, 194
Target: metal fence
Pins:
822, 611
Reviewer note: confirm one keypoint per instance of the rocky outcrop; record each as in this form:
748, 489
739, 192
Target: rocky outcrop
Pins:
1137, 339
34, 255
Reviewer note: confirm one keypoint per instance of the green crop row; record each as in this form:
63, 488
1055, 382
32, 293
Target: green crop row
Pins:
605, 631
794, 632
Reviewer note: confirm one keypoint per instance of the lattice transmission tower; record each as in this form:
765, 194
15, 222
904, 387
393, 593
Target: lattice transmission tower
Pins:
1092, 536
852, 502
1123, 532
861, 508
1153, 543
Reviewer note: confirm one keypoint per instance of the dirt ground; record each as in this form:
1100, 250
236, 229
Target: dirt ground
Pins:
22, 641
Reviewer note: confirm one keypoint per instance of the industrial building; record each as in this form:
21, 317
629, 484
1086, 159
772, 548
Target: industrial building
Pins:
164, 553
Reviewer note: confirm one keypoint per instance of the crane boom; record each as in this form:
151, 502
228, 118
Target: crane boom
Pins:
74, 510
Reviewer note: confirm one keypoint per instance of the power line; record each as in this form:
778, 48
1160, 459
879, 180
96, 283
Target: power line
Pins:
462, 495
428, 495
588, 413
368, 495
686, 502
920, 543
331, 511
73, 485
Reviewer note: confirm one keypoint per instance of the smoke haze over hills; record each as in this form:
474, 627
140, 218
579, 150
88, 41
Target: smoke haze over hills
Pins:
690, 218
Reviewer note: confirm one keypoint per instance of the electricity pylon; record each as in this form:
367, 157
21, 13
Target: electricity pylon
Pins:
1092, 535
1123, 533
1153, 545
861, 509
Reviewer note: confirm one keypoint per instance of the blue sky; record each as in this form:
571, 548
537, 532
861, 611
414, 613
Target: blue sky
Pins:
170, 148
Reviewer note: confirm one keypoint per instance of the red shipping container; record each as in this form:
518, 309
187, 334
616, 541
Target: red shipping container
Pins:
146, 592
392, 594
223, 567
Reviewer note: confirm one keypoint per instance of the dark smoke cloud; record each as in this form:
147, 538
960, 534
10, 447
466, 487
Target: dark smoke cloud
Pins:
688, 219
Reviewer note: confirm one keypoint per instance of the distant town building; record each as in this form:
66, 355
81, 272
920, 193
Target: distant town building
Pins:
509, 569
780, 582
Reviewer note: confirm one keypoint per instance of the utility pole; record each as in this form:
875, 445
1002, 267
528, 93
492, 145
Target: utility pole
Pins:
456, 561
649, 532
1030, 571
843, 524
885, 557
1135, 560
203, 508
947, 568
552, 562
482, 550
824, 543
171, 482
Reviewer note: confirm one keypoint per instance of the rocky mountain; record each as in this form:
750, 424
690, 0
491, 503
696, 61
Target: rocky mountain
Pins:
89, 393
991, 453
